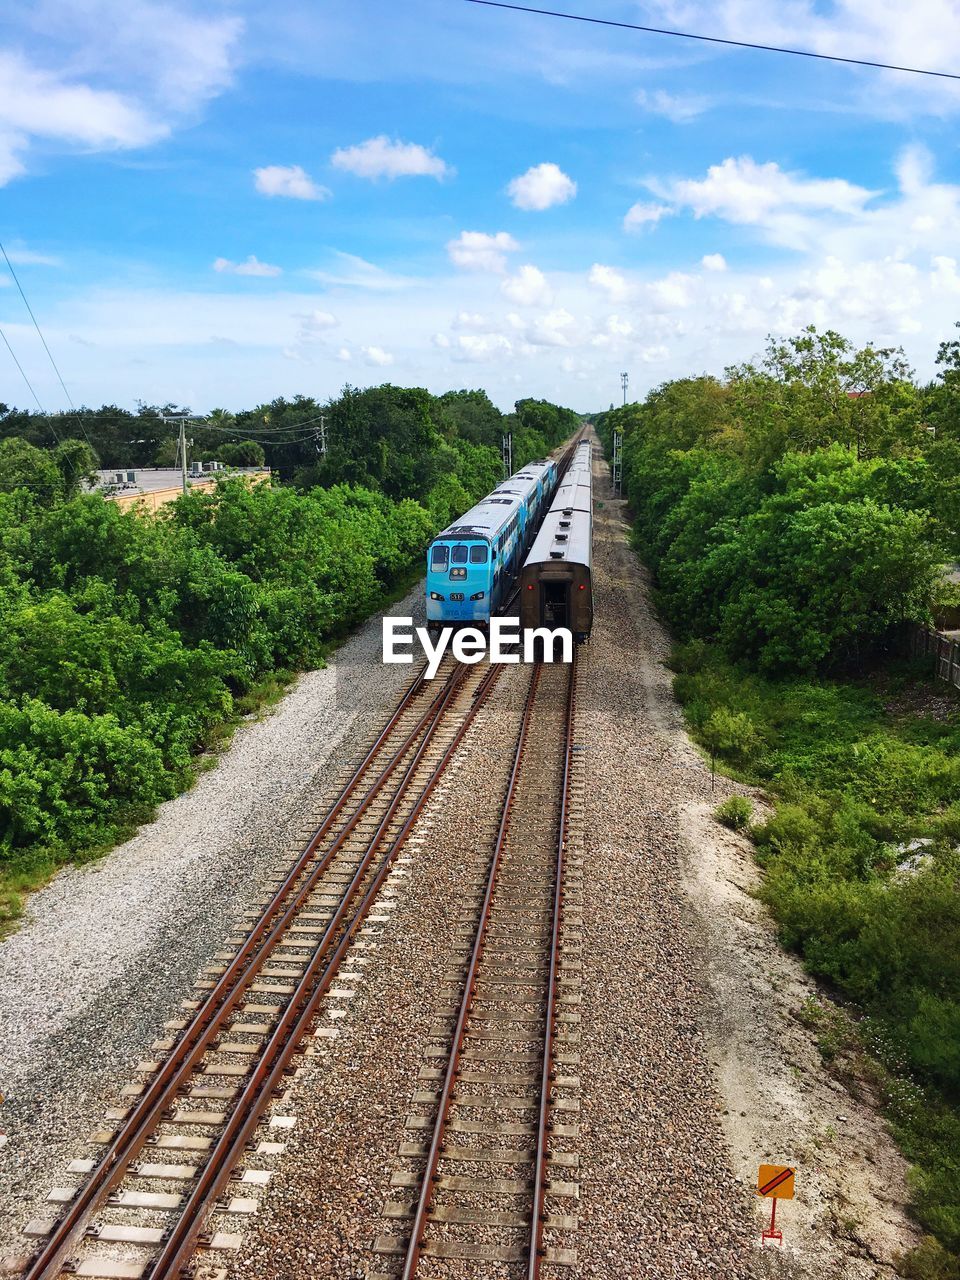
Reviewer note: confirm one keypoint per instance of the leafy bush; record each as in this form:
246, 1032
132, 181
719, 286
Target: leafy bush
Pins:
929, 1261
734, 813
730, 734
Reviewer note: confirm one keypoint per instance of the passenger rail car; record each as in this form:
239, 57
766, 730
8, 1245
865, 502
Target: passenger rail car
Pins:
473, 564
556, 582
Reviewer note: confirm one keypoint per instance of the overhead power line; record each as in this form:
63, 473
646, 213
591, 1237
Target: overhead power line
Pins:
16, 280
736, 44
77, 418
272, 435
13, 354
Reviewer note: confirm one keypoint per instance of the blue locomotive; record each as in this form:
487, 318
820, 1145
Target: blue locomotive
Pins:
473, 564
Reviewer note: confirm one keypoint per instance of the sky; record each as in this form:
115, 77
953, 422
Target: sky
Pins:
216, 204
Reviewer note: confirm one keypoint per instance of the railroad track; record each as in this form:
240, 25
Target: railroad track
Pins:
171, 1163
490, 1158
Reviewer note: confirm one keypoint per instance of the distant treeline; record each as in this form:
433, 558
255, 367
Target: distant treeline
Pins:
393, 438
794, 513
130, 641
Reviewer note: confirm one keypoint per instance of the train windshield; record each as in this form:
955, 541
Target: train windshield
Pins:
458, 555
478, 555
438, 556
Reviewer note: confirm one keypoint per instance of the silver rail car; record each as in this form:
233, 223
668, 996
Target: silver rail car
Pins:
556, 581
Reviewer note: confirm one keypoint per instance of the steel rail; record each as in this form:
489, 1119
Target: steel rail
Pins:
425, 1201
536, 1250
207, 1019
294, 1025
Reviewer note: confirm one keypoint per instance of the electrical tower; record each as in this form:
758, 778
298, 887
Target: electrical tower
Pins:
507, 450
616, 470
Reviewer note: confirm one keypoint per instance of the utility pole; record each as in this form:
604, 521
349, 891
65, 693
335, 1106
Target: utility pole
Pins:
616, 469
323, 435
182, 419
506, 446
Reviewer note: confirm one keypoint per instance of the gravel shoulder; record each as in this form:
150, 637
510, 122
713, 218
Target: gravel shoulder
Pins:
659, 1195
106, 951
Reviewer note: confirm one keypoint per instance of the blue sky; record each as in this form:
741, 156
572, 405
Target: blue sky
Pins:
221, 203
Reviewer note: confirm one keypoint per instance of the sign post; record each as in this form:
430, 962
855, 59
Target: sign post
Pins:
775, 1182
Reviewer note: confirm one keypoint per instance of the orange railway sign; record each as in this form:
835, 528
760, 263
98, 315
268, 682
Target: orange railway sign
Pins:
776, 1181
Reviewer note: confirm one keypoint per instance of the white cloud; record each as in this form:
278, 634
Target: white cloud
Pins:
477, 251
616, 329
36, 103
541, 187
786, 205
713, 262
644, 214
377, 357
619, 328
528, 288
826, 215
382, 157
678, 108
944, 277
251, 266
873, 274
478, 347
289, 180
176, 57
117, 75
554, 329
314, 325
924, 33
470, 320
30, 257
357, 273
741, 190
672, 291
317, 320
612, 282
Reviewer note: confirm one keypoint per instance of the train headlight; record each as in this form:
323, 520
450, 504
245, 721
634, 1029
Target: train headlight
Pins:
478, 595
435, 595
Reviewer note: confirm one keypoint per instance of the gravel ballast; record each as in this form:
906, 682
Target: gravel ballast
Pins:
658, 1196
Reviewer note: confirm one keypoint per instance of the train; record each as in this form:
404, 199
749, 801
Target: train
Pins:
473, 564
556, 582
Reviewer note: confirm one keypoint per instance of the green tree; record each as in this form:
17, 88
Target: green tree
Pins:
245, 453
24, 466
77, 463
